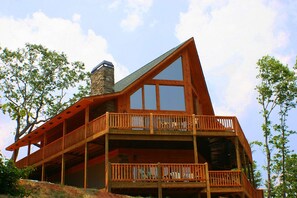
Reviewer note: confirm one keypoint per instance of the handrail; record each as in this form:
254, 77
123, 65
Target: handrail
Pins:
53, 147
154, 123
224, 178
75, 136
242, 139
129, 120
166, 172
96, 125
248, 186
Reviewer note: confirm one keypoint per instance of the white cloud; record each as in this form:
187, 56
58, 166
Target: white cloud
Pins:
131, 22
56, 34
6, 128
231, 36
135, 9
76, 18
115, 4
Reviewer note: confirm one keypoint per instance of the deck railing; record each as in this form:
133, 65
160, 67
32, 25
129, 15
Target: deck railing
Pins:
248, 186
224, 178
131, 172
53, 148
97, 125
154, 123
75, 136
171, 122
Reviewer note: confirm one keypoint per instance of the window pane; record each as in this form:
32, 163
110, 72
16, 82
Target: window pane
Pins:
150, 97
172, 72
136, 99
172, 98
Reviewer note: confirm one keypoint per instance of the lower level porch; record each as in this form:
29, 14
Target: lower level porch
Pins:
179, 179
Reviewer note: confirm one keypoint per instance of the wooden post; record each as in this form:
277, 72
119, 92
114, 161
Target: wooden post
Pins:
208, 194
237, 154
196, 160
106, 163
87, 119
242, 185
63, 170
246, 167
28, 154
194, 124
151, 124
86, 167
64, 133
159, 181
43, 172
44, 143
107, 121
63, 155
87, 110
109, 177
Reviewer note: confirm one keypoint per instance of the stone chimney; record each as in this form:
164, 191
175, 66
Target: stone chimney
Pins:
102, 78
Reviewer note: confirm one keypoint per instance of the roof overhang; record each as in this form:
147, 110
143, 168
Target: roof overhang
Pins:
37, 135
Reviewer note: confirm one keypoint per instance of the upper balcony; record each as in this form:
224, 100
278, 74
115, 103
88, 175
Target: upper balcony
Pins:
139, 123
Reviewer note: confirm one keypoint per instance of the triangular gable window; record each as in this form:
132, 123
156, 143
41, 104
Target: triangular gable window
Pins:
173, 72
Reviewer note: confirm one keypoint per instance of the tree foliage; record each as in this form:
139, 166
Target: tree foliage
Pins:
9, 178
34, 82
277, 89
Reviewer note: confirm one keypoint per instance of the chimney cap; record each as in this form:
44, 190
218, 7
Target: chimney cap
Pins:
102, 64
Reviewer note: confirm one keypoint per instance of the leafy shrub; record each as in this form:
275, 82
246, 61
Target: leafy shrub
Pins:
9, 178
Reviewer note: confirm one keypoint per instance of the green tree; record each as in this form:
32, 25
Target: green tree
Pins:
281, 139
257, 176
9, 178
35, 84
291, 175
277, 88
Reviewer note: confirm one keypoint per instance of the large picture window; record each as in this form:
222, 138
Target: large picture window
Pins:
165, 92
173, 72
150, 97
172, 98
136, 99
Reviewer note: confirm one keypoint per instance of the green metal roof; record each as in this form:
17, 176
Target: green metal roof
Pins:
125, 82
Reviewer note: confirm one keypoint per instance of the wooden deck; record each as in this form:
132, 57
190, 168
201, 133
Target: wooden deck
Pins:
164, 175
158, 175
148, 124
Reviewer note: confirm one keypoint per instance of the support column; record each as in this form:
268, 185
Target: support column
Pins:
86, 167
28, 154
159, 181
237, 154
196, 160
246, 167
63, 170
208, 194
43, 172
87, 110
151, 124
63, 154
107, 186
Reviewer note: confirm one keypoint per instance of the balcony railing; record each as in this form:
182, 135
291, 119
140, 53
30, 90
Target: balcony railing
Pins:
154, 123
182, 172
225, 178
158, 172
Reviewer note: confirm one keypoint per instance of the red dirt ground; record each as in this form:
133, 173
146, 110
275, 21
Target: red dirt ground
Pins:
46, 189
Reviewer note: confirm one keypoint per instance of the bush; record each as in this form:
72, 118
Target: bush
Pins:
9, 178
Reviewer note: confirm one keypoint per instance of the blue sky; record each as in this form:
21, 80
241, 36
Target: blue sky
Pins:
230, 35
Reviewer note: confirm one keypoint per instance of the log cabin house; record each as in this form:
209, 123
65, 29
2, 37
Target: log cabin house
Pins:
153, 133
